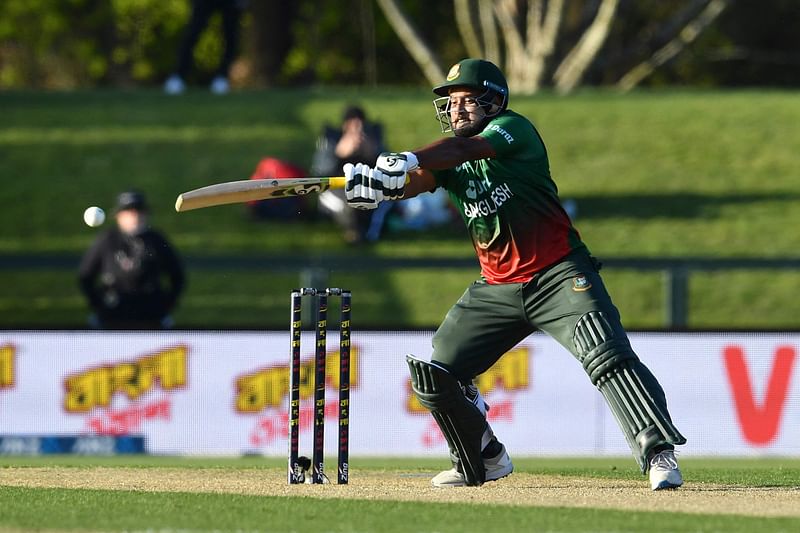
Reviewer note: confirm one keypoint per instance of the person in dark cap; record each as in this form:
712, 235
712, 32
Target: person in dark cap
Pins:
131, 275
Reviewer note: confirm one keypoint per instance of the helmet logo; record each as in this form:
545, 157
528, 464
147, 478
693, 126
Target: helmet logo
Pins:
455, 70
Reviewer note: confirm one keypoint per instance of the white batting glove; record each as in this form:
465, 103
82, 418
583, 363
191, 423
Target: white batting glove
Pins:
395, 166
363, 186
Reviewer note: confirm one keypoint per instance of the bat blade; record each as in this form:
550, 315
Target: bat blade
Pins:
233, 192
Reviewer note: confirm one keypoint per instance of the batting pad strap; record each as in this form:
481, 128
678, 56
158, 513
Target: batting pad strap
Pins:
461, 422
606, 357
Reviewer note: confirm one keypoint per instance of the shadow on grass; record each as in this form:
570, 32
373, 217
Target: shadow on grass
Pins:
669, 205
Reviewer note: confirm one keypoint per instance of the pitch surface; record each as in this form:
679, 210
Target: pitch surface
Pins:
521, 489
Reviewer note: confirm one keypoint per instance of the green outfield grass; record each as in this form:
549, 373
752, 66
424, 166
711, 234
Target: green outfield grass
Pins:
28, 508
92, 510
675, 174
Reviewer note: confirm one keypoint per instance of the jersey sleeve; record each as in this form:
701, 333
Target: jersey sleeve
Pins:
508, 134
511, 135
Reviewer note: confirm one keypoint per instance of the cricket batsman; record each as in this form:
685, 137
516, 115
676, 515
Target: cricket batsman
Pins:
536, 274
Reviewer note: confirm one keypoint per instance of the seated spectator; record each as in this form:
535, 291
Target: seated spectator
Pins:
291, 207
426, 210
357, 140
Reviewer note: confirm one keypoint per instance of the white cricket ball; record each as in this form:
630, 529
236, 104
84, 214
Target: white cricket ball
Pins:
94, 216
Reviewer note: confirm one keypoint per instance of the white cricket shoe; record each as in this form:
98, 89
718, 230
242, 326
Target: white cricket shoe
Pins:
496, 467
219, 85
664, 471
174, 85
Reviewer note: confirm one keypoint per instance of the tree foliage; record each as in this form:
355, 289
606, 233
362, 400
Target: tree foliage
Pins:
75, 43
543, 44
540, 43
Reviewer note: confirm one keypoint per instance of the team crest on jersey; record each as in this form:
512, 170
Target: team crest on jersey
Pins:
581, 283
455, 70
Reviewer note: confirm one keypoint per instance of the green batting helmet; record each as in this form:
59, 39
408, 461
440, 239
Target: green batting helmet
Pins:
477, 73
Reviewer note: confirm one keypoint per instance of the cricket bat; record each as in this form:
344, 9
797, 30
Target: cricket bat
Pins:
233, 192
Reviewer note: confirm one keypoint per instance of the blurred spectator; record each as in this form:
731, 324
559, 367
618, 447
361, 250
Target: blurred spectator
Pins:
122, 274
357, 140
571, 207
281, 208
426, 210
202, 10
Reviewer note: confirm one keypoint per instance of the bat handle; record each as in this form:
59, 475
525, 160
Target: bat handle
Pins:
339, 182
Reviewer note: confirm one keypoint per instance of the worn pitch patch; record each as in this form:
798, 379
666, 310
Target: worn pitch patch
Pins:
518, 489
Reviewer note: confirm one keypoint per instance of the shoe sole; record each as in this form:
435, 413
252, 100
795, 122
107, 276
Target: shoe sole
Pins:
666, 485
453, 485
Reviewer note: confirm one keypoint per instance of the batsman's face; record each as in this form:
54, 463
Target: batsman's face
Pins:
465, 112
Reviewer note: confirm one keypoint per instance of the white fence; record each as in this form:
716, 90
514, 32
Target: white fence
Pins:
225, 393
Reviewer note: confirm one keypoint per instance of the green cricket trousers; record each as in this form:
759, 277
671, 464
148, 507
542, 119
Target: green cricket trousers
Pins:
569, 302
488, 320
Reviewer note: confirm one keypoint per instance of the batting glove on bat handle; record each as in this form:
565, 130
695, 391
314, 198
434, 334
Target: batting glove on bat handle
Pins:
363, 186
395, 166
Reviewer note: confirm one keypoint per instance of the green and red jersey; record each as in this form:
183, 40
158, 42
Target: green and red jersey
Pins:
510, 203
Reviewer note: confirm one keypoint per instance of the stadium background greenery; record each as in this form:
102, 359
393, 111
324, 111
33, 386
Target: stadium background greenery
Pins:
654, 174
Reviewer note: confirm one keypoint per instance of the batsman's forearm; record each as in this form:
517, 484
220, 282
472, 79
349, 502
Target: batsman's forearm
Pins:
420, 180
452, 151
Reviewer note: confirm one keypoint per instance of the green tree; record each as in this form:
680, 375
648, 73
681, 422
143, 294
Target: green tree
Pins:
63, 44
75, 43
